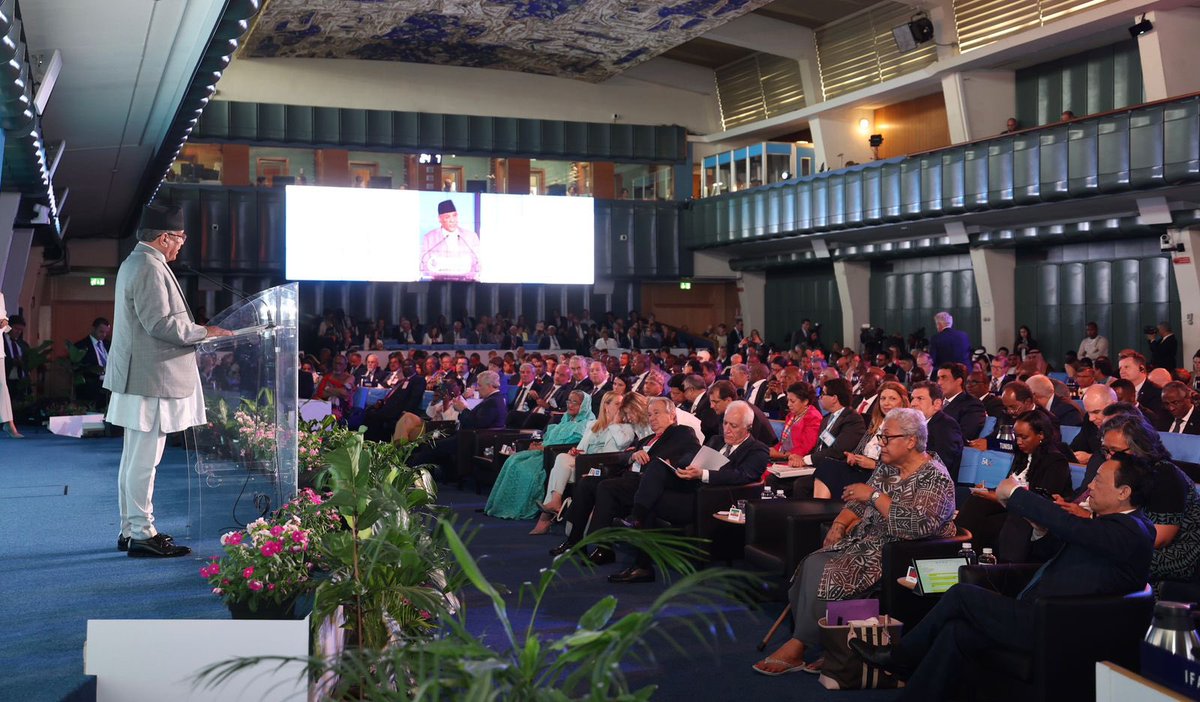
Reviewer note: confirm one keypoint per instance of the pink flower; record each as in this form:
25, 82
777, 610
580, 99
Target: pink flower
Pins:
276, 530
248, 572
270, 587
255, 585
233, 538
218, 591
299, 536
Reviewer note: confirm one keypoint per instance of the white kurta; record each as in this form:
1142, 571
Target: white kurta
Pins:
172, 413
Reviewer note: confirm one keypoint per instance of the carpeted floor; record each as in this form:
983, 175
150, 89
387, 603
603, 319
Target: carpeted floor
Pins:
62, 569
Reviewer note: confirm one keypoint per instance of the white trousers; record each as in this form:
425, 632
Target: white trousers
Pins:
6, 411
562, 474
135, 481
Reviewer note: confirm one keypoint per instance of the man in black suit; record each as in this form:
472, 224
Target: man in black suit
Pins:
523, 402
668, 492
960, 405
841, 429
1001, 375
978, 386
1164, 347
95, 359
1065, 411
1179, 409
488, 414
945, 436
720, 397
1108, 555
601, 384
550, 340
549, 399
512, 340
867, 396
578, 366
949, 345
606, 499
1149, 397
381, 419
695, 396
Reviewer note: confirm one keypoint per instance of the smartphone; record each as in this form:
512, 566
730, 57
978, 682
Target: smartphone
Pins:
911, 577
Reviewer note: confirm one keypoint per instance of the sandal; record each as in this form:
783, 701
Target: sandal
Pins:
814, 668
790, 667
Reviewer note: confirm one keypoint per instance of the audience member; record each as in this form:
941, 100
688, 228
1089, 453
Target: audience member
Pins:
93, 364
1093, 345
958, 404
1044, 395
948, 345
488, 414
1164, 347
944, 435
802, 424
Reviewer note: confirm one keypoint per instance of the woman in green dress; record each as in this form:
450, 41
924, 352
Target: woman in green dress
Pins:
519, 485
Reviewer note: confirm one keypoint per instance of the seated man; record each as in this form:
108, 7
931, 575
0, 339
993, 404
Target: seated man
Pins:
1065, 411
549, 399
605, 500
840, 433
488, 414
958, 404
1108, 555
380, 419
720, 396
667, 491
945, 436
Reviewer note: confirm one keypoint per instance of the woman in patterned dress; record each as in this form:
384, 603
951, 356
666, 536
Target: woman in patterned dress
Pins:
909, 496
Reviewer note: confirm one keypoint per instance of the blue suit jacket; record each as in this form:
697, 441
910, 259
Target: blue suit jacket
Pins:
1108, 555
489, 414
950, 345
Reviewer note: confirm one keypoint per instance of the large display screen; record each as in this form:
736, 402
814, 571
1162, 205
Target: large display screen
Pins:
363, 234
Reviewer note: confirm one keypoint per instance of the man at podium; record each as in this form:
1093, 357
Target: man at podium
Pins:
152, 374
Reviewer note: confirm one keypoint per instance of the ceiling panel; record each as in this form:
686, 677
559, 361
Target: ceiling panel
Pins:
707, 53
812, 14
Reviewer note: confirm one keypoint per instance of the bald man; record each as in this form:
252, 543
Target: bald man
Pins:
1065, 411
1086, 447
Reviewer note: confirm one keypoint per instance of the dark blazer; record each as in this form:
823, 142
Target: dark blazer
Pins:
1109, 555
677, 445
545, 342
994, 406
714, 434
1191, 427
757, 396
521, 396
1048, 469
996, 386
509, 342
746, 464
1164, 353
489, 414
405, 397
949, 345
585, 385
598, 396
969, 412
1150, 397
1067, 414
91, 388
946, 440
847, 431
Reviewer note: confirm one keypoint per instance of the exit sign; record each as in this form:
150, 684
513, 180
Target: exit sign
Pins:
685, 285
97, 282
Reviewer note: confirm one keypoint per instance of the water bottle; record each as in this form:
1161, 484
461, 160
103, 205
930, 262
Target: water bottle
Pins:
779, 494
766, 493
987, 558
968, 553
1006, 438
1073, 388
1171, 629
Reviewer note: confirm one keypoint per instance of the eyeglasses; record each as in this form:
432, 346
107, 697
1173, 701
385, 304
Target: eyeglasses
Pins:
1110, 452
885, 438
182, 237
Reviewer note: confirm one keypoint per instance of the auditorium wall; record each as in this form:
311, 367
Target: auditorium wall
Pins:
798, 294
1098, 80
906, 293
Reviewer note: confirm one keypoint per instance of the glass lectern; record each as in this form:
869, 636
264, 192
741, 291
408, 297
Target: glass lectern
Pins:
245, 455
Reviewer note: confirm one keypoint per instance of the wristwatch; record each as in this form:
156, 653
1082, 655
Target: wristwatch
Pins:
875, 496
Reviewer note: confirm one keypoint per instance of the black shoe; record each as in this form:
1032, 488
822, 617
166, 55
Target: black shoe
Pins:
157, 546
627, 522
885, 657
123, 542
602, 556
633, 574
560, 549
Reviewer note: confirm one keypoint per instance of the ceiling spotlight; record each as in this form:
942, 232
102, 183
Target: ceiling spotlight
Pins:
864, 125
1143, 26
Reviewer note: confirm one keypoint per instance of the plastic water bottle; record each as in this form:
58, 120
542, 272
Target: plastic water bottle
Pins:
968, 553
987, 558
779, 494
766, 494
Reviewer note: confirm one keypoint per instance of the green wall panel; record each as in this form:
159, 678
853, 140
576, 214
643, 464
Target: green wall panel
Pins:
906, 293
1122, 286
795, 295
1098, 80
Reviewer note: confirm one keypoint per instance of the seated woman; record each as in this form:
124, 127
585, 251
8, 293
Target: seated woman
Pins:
521, 480
909, 496
441, 409
615, 429
1044, 466
830, 479
337, 387
802, 424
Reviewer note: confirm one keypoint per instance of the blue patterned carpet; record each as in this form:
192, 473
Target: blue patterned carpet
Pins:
62, 568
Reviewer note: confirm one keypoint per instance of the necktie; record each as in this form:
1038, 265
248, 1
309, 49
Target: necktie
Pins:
1176, 426
862, 407
727, 450
101, 355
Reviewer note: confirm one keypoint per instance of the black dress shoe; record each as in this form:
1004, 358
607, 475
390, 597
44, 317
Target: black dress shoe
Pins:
627, 522
885, 657
633, 574
601, 556
157, 546
561, 549
123, 542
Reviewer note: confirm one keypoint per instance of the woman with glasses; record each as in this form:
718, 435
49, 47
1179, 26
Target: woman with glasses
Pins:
521, 479
831, 478
1043, 464
909, 496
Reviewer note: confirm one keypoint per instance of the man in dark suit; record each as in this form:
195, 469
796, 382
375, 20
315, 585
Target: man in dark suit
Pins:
1164, 347
949, 345
841, 429
865, 399
606, 499
1088, 447
978, 386
960, 405
488, 414
1108, 555
523, 401
668, 492
512, 340
1149, 397
720, 397
601, 384
579, 373
15, 351
945, 436
1065, 411
550, 340
1179, 409
1001, 375
381, 419
95, 359
549, 398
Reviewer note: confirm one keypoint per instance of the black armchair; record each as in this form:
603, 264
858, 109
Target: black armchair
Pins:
551, 452
897, 600
476, 461
1071, 635
780, 533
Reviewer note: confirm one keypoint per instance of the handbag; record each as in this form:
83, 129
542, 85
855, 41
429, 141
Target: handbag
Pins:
843, 669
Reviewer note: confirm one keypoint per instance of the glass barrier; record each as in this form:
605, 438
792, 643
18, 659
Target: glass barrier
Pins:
245, 456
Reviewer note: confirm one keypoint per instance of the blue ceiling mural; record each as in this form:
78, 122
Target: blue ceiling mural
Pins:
586, 39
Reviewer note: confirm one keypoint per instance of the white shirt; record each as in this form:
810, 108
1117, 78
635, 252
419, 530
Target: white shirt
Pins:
170, 413
1093, 348
1177, 425
731, 448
